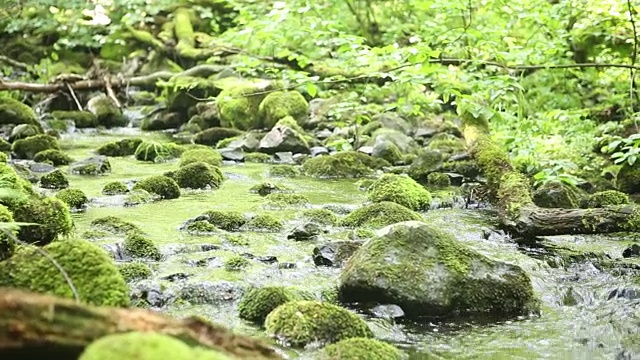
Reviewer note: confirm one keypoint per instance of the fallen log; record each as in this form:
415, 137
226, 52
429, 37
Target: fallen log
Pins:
511, 193
37, 324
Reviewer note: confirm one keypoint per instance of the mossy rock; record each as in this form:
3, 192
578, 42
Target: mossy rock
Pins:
93, 166
257, 303
256, 157
200, 227
212, 136
288, 171
446, 143
197, 175
155, 151
205, 155
134, 271
74, 198
239, 109
54, 156
13, 182
115, 225
264, 223
556, 194
280, 200
379, 215
321, 216
360, 348
280, 104
141, 247
236, 263
5, 146
89, 267
163, 121
124, 147
400, 189
14, 112
54, 180
432, 274
607, 198
226, 220
628, 179
27, 148
23, 131
7, 244
424, 164
115, 188
348, 164
438, 179
299, 323
106, 112
161, 185
81, 119
51, 214
265, 188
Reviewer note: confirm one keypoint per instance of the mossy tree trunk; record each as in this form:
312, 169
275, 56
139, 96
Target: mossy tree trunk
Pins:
511, 192
35, 324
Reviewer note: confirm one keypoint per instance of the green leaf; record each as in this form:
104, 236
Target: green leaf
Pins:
312, 89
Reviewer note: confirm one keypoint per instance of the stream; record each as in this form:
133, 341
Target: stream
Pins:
588, 312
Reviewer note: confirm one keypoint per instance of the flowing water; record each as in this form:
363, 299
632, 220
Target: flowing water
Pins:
581, 318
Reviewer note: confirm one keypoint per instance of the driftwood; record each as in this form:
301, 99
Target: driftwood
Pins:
34, 324
511, 193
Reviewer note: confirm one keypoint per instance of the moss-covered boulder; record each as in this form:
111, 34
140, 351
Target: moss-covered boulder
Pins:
429, 273
7, 245
447, 144
284, 137
283, 170
628, 179
27, 148
163, 121
400, 189
74, 198
81, 119
225, 220
161, 185
197, 175
258, 157
280, 200
14, 112
134, 271
93, 166
115, 225
124, 147
239, 104
115, 188
264, 223
106, 112
347, 164
206, 155
280, 104
23, 131
257, 303
156, 152
321, 216
438, 179
212, 136
424, 164
607, 198
556, 194
360, 348
236, 263
299, 323
139, 246
54, 156
89, 267
54, 180
379, 215
51, 215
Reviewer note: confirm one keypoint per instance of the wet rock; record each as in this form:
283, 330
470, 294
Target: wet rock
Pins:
366, 149
284, 157
334, 253
151, 293
390, 311
630, 294
22, 169
299, 159
631, 251
306, 231
176, 277
210, 293
393, 121
282, 138
339, 208
117, 251
323, 134
232, 154
319, 150
96, 165
41, 167
556, 194
267, 259
209, 247
286, 265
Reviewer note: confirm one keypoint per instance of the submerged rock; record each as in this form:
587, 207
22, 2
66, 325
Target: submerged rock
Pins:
210, 293
334, 253
428, 273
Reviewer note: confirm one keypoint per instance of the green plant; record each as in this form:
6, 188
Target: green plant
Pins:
627, 150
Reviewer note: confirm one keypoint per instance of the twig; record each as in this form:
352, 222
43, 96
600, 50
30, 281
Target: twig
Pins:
110, 93
73, 95
14, 63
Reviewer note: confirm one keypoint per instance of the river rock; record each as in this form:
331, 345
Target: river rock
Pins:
232, 154
306, 231
285, 157
210, 293
283, 138
96, 165
427, 272
151, 293
334, 253
390, 311
319, 150
631, 251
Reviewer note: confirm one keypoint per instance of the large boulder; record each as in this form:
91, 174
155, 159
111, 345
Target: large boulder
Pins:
428, 273
106, 112
239, 103
14, 112
282, 139
280, 104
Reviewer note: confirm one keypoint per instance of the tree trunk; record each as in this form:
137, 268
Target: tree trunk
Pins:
35, 324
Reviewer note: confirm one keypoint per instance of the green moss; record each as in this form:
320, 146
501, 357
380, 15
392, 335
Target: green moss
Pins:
287, 171
257, 157
7, 244
115, 225
424, 164
379, 215
5, 146
264, 189
401, 190
200, 227
607, 198
134, 271
115, 188
280, 104
264, 222
212, 136
493, 161
321, 216
51, 214
628, 179
514, 193
360, 348
154, 151
238, 107
4, 158
106, 112
446, 144
56, 157
14, 112
554, 194
74, 198
236, 263
205, 155
89, 267
54, 180
226, 220
438, 179
27, 148
197, 175
95, 234
280, 200
257, 303
124, 147
466, 168
299, 323
81, 119
139, 246
161, 185
348, 164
